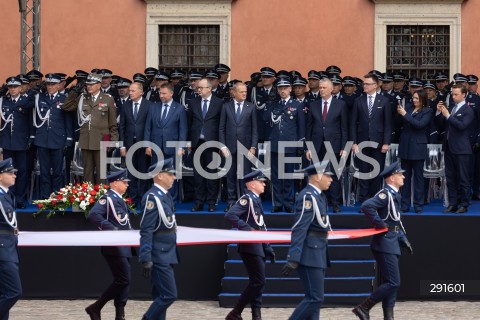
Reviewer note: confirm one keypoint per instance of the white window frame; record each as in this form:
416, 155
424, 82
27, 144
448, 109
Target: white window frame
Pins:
188, 12
418, 12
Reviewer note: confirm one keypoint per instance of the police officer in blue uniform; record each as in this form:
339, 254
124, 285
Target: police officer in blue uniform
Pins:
287, 119
383, 211
10, 284
189, 92
314, 85
308, 247
111, 213
158, 240
247, 214
15, 131
263, 98
53, 134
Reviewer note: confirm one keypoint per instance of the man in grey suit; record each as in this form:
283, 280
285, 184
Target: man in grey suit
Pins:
166, 122
238, 123
328, 121
133, 116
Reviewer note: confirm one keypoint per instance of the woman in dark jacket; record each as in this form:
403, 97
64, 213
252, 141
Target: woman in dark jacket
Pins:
412, 149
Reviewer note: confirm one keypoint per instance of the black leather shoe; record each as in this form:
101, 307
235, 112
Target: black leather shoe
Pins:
450, 209
289, 210
197, 207
211, 208
21, 205
276, 209
336, 208
461, 210
93, 312
228, 207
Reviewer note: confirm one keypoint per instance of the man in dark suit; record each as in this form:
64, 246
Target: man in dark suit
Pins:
133, 117
111, 213
308, 248
238, 124
458, 149
166, 122
204, 122
371, 120
328, 121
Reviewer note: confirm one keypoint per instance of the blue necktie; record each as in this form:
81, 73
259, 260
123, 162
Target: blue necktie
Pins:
165, 111
205, 108
135, 110
239, 112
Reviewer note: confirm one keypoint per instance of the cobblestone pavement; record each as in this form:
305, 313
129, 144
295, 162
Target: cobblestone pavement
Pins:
193, 310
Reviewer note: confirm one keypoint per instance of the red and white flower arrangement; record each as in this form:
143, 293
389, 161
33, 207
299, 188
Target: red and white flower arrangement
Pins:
81, 195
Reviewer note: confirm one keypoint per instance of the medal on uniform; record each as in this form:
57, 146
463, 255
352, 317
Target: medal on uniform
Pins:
20, 109
291, 117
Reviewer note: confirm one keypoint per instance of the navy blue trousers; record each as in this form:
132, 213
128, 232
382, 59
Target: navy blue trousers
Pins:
413, 172
390, 279
313, 283
10, 287
50, 160
282, 187
138, 187
252, 294
164, 291
118, 290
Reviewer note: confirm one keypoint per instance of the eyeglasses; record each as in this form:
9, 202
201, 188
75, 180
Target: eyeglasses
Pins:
368, 84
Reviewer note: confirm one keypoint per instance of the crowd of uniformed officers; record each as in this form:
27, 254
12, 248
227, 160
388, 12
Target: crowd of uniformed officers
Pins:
43, 118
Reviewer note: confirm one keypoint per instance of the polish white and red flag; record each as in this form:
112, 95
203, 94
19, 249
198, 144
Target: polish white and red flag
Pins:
185, 236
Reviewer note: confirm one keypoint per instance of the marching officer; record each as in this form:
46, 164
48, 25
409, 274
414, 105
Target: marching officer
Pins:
111, 213
383, 211
97, 119
158, 240
287, 120
15, 134
247, 214
53, 134
308, 247
10, 284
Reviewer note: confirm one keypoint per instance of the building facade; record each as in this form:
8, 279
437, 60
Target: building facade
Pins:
419, 37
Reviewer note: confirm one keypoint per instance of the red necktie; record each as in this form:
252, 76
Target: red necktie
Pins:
325, 110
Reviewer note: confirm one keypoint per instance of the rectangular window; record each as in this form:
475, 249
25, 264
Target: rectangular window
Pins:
188, 47
419, 51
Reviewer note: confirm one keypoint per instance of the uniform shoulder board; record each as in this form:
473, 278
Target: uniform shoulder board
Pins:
149, 205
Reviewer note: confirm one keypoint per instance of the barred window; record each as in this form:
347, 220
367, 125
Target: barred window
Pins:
419, 51
188, 46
